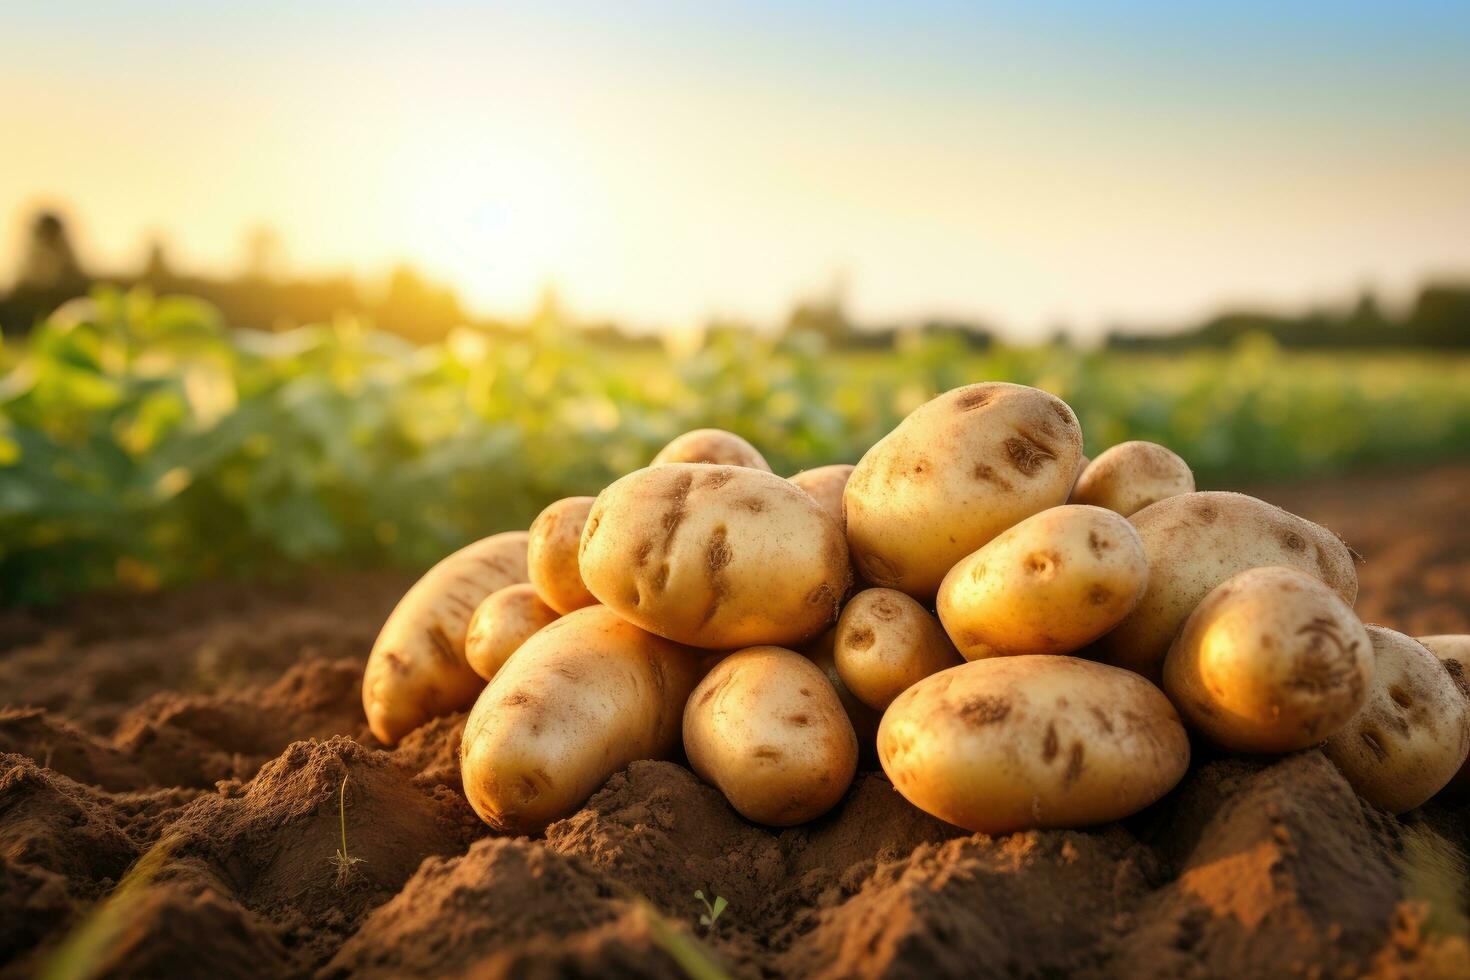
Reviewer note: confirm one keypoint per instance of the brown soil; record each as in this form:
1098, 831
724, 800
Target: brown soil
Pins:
219, 723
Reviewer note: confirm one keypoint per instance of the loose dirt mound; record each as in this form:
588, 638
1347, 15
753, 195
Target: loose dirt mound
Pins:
209, 732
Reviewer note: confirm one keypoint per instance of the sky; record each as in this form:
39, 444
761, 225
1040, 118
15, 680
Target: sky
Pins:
1031, 165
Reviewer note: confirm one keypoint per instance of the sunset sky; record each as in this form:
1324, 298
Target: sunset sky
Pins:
662, 163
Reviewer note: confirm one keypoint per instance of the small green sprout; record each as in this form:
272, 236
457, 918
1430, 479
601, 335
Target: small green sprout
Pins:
711, 913
342, 860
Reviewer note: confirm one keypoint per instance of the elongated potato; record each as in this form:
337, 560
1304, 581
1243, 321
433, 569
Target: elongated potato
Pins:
579, 701
1132, 475
767, 730
1052, 584
417, 669
715, 556
825, 484
1271, 661
1454, 652
959, 470
711, 446
551, 557
1195, 541
1015, 743
506, 619
864, 719
1412, 735
885, 643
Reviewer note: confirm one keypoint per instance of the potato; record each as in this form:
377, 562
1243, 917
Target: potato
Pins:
885, 643
501, 623
825, 484
1195, 541
1132, 475
579, 701
1454, 652
767, 730
864, 719
715, 556
711, 446
1015, 743
1271, 661
1052, 584
417, 669
958, 471
1412, 735
551, 558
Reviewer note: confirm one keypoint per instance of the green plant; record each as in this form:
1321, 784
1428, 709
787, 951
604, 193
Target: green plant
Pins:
711, 913
692, 956
341, 860
84, 952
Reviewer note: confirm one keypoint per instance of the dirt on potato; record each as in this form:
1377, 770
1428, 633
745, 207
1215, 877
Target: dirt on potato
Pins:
218, 730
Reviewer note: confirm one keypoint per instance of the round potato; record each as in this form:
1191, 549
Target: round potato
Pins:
1016, 743
864, 719
767, 730
551, 556
1412, 735
1454, 652
715, 556
885, 643
1052, 584
825, 484
417, 670
506, 619
1195, 541
711, 446
1271, 661
579, 701
1132, 475
959, 470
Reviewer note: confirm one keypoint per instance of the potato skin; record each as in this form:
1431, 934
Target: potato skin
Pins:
1271, 661
551, 556
1131, 475
506, 619
1413, 733
1050, 585
959, 470
1453, 650
1195, 541
417, 670
767, 730
885, 643
864, 719
1018, 743
580, 700
825, 484
718, 557
711, 446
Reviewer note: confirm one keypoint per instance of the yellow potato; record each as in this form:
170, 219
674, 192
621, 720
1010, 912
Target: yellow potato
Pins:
711, 446
1132, 475
1412, 735
579, 701
767, 730
715, 556
825, 484
885, 643
417, 669
1052, 584
864, 719
506, 619
958, 471
1195, 541
1271, 661
1454, 652
1016, 743
551, 558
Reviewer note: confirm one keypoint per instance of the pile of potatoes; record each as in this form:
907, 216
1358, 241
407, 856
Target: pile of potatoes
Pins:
1021, 637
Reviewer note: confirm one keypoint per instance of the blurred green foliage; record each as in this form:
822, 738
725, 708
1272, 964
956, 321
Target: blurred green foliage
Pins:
143, 442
